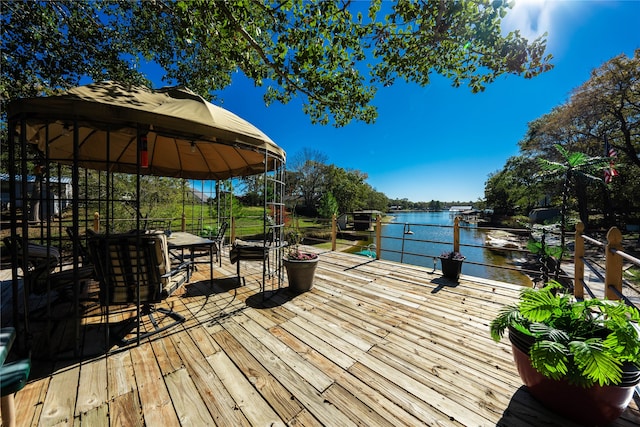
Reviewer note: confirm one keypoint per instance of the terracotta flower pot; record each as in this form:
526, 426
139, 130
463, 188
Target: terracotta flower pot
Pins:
300, 273
591, 406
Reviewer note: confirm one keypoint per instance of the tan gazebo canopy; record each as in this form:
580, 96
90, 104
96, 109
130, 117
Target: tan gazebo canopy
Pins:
118, 126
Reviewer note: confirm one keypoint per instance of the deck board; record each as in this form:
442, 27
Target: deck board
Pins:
374, 343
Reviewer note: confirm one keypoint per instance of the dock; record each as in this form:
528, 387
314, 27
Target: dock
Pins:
374, 343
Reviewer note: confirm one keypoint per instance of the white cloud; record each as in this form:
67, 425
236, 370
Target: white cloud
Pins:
532, 17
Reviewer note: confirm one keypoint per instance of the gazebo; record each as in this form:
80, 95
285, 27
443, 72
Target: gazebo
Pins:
106, 140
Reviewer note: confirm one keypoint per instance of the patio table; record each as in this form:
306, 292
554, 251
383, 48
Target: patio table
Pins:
181, 240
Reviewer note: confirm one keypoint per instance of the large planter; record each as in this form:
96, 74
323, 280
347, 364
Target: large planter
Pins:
451, 268
591, 406
300, 273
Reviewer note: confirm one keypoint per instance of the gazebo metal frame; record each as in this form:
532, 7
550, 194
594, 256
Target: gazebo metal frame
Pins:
33, 155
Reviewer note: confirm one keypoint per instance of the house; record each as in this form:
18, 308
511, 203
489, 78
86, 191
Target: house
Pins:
55, 195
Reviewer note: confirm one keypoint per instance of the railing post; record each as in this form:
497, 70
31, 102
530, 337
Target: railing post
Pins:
96, 222
578, 262
456, 234
378, 236
334, 223
613, 264
183, 226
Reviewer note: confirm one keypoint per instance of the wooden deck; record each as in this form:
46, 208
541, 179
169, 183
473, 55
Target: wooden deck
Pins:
375, 343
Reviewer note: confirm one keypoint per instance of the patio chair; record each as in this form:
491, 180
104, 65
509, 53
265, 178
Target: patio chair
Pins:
257, 251
249, 251
219, 241
218, 244
40, 268
135, 269
157, 224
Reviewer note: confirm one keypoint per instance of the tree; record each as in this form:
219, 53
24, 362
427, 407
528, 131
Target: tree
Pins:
328, 205
609, 104
319, 51
376, 200
348, 187
308, 176
253, 189
435, 205
574, 169
160, 197
515, 188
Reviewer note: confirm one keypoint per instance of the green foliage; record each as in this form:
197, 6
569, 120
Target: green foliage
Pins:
321, 185
329, 54
583, 341
575, 168
605, 106
328, 205
536, 247
515, 188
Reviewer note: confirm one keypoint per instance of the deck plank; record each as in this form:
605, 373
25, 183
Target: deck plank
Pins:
190, 408
374, 343
59, 404
296, 385
28, 402
125, 410
92, 389
94, 417
247, 398
121, 378
279, 398
209, 386
155, 400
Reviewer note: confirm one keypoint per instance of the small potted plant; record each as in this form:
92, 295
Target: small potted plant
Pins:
451, 264
300, 266
578, 358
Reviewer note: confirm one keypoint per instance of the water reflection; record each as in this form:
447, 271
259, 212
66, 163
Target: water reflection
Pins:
421, 247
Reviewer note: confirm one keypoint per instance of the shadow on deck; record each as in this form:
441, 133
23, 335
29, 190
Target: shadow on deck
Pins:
374, 343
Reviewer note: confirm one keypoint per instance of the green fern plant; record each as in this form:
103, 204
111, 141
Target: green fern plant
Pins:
586, 342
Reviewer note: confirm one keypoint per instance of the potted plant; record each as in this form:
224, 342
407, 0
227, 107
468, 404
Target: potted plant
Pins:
451, 264
578, 358
300, 266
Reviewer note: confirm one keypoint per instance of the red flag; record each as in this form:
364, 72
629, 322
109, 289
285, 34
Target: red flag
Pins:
610, 152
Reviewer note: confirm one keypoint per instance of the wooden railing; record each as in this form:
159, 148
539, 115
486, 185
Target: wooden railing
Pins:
418, 244
614, 257
378, 234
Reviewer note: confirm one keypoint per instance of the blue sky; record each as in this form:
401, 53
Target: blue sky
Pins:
441, 143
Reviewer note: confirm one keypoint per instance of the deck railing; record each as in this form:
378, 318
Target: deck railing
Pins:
401, 241
614, 260
614, 254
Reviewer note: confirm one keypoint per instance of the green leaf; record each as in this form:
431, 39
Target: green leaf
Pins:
595, 363
550, 359
538, 306
508, 315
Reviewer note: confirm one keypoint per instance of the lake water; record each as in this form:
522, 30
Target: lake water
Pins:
432, 227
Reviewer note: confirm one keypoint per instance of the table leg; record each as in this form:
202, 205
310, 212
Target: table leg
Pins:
211, 263
191, 264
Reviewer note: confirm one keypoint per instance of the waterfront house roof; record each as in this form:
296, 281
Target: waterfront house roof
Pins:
460, 208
